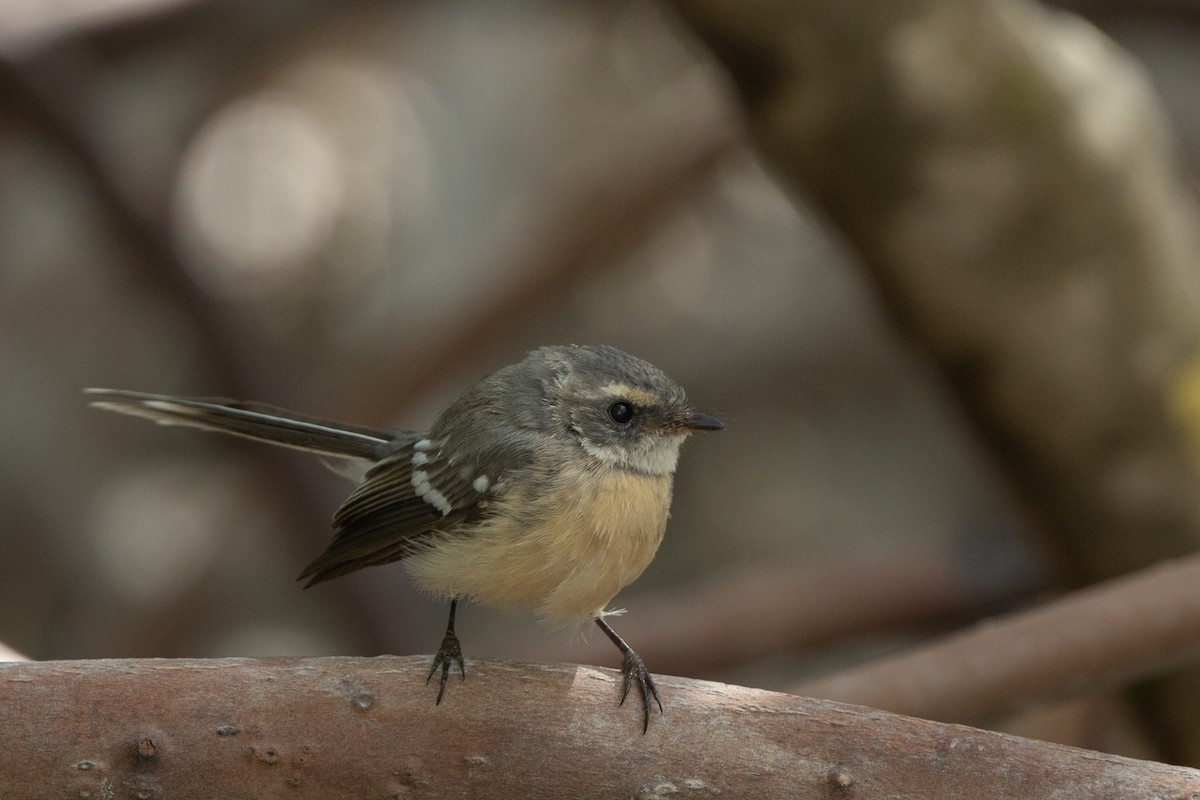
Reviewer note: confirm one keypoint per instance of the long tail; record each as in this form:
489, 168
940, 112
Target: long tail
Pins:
257, 421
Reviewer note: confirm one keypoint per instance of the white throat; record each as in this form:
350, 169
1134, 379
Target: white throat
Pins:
653, 455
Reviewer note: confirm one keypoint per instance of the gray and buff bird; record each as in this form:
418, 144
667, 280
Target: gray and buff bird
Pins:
545, 487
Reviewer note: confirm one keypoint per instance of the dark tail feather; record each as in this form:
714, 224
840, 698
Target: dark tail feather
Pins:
256, 421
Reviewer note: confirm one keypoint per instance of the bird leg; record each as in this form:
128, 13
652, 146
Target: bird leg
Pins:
449, 653
634, 670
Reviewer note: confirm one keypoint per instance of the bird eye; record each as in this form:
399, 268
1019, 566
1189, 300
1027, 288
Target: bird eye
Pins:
621, 412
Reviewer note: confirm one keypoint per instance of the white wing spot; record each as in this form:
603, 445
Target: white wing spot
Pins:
425, 490
424, 444
420, 457
481, 484
438, 501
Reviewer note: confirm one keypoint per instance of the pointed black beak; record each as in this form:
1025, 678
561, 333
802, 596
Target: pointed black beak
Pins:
695, 421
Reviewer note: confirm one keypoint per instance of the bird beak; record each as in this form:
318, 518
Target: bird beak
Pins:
695, 421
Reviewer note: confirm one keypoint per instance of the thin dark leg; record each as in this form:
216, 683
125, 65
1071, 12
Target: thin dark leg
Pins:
634, 670
449, 653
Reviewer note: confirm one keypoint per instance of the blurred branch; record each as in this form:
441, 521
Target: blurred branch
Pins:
1182, 11
1006, 174
762, 611
43, 86
593, 221
43, 95
1104, 637
232, 33
44, 89
340, 727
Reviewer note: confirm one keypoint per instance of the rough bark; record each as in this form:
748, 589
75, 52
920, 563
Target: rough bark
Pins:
353, 727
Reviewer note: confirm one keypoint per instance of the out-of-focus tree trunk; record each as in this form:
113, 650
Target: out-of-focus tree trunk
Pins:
1004, 172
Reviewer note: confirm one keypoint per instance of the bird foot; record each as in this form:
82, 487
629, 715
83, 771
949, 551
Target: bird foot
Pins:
448, 654
634, 670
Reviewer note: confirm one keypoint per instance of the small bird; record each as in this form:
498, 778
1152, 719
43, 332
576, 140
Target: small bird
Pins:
545, 487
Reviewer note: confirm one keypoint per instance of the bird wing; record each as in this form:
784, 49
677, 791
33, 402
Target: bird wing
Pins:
404, 501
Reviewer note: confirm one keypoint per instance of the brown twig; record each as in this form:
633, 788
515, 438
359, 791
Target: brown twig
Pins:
1104, 637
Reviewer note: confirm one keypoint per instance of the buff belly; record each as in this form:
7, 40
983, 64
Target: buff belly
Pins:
563, 554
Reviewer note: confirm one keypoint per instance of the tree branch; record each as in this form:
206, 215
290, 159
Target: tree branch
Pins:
1100, 638
353, 727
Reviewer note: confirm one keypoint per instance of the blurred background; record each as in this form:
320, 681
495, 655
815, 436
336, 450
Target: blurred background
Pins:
356, 209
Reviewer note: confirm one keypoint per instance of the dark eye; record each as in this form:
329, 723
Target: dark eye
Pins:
621, 412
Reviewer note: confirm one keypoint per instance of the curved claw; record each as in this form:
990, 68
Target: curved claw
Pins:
448, 654
635, 670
